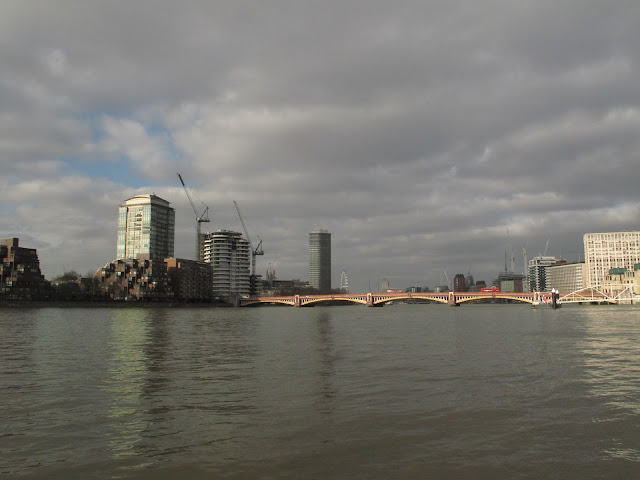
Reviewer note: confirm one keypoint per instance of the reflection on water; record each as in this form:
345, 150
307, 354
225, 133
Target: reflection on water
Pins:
612, 372
410, 391
326, 362
127, 371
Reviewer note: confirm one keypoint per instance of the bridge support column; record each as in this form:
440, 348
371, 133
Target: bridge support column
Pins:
369, 300
296, 301
452, 300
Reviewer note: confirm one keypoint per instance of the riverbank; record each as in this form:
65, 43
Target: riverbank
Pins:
105, 304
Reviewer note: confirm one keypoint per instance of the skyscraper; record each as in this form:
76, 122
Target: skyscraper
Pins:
146, 228
320, 260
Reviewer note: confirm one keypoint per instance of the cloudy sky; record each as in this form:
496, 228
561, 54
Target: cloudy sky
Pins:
427, 136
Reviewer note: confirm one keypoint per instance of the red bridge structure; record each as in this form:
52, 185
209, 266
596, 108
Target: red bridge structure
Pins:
379, 299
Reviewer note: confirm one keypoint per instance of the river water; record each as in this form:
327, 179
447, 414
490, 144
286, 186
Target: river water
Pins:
404, 391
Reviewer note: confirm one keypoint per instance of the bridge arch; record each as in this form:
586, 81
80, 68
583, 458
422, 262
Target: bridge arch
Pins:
314, 301
485, 299
382, 299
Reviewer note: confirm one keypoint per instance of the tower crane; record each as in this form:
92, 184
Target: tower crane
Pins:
200, 218
254, 252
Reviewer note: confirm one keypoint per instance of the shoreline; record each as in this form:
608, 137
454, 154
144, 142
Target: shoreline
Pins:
105, 304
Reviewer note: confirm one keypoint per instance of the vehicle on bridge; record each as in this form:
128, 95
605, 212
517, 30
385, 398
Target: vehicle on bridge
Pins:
490, 289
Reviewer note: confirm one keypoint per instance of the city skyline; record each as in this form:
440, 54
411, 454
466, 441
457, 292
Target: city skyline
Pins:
427, 137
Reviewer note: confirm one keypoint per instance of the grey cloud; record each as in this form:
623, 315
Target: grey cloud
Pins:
417, 132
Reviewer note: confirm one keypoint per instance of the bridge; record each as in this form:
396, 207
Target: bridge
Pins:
379, 299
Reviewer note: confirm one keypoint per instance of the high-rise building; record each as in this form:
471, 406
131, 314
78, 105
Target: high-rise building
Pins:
146, 228
320, 260
604, 251
230, 258
459, 283
538, 272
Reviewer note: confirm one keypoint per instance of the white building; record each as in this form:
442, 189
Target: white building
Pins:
146, 228
230, 258
567, 277
604, 251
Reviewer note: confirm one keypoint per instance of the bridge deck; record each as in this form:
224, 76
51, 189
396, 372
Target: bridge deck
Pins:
375, 299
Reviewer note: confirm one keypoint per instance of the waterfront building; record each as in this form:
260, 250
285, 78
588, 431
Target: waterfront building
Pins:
135, 279
192, 281
20, 275
320, 260
566, 277
623, 283
604, 251
230, 258
146, 228
538, 272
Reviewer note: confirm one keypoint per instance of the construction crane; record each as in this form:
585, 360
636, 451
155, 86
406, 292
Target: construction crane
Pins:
200, 218
254, 252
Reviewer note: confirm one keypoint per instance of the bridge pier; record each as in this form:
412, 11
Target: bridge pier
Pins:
370, 302
296, 301
452, 300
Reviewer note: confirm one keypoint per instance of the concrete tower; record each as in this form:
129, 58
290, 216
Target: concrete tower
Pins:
229, 256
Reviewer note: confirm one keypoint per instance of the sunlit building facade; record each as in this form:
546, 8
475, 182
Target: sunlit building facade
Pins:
605, 251
623, 284
567, 277
146, 228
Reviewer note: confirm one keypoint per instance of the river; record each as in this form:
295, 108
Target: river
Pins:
404, 391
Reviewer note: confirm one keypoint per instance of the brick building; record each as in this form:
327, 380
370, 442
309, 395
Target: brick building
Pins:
192, 281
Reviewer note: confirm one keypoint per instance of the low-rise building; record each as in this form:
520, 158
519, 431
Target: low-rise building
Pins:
136, 279
191, 280
623, 283
509, 282
567, 277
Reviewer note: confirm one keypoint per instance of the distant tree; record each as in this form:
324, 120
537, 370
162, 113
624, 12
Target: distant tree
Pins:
69, 276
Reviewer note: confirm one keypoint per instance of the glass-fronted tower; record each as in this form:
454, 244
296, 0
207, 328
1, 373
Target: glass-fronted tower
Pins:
320, 260
146, 228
